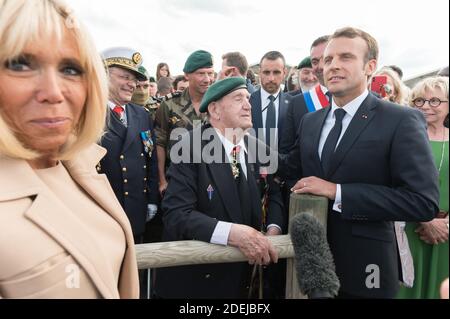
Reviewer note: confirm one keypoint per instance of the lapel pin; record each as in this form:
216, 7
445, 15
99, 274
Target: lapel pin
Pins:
364, 116
210, 191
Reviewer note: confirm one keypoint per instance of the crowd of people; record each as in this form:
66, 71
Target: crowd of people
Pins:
97, 155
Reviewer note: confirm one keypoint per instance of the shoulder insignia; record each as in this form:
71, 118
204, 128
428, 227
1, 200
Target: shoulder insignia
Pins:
174, 120
171, 96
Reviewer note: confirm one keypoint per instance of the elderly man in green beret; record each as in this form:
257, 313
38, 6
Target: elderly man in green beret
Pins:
182, 111
214, 196
306, 77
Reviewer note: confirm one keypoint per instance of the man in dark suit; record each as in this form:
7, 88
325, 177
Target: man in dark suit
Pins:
130, 163
372, 159
216, 199
269, 103
269, 109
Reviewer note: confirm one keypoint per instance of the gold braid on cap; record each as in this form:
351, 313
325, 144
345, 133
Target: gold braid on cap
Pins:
127, 63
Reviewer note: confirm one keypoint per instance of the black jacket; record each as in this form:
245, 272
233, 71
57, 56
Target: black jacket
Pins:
190, 213
387, 173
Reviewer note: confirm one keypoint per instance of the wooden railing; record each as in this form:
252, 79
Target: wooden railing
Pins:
192, 252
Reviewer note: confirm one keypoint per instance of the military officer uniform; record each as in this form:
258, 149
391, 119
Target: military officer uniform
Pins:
130, 164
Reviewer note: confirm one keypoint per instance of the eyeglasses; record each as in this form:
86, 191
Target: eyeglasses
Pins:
433, 102
127, 78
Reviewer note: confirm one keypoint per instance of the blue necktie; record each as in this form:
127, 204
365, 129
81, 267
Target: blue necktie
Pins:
332, 139
270, 120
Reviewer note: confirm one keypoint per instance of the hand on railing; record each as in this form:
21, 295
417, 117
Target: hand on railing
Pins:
253, 244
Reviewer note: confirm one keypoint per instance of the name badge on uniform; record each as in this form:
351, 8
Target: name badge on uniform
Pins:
146, 137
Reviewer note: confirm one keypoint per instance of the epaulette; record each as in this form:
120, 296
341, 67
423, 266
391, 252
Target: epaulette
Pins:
157, 100
170, 96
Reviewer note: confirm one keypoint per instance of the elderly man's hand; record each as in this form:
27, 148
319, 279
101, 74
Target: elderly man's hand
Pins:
253, 244
433, 232
315, 186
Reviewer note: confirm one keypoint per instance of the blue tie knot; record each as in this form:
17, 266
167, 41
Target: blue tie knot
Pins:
339, 114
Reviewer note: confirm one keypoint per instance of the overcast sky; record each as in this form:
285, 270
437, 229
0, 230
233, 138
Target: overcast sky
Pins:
412, 34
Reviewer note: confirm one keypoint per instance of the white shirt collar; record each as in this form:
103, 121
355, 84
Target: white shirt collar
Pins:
352, 106
228, 145
112, 105
265, 95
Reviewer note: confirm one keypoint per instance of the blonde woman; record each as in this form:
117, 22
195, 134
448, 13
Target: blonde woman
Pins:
62, 232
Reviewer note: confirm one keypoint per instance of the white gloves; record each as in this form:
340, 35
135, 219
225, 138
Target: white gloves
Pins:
152, 209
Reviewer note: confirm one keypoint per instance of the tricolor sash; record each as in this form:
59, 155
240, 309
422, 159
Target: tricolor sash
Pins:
315, 99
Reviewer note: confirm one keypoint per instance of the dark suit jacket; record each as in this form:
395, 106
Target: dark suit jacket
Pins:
294, 93
257, 119
131, 171
295, 111
386, 170
188, 213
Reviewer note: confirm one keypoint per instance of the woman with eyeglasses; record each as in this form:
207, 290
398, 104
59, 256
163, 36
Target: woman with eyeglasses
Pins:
428, 241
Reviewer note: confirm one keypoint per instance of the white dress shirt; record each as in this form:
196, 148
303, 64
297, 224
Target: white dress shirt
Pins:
222, 230
264, 103
350, 109
123, 119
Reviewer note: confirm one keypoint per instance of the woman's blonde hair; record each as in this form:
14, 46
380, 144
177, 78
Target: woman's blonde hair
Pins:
430, 83
26, 21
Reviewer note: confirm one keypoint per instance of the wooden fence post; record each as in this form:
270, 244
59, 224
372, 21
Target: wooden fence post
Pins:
299, 204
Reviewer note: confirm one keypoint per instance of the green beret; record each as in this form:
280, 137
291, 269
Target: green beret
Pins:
306, 63
198, 59
143, 70
221, 88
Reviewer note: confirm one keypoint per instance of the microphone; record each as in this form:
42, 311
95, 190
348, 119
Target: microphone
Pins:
316, 272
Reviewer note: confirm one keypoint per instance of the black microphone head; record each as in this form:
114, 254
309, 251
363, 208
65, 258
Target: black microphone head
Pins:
316, 272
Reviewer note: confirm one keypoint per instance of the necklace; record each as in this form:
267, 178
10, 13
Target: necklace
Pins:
442, 156
442, 152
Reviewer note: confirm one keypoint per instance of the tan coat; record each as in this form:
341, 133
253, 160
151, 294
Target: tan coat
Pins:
41, 240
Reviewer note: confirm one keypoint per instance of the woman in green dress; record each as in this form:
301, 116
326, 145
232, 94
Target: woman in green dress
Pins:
429, 241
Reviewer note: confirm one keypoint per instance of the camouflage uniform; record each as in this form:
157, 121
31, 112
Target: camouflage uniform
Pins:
177, 112
152, 104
